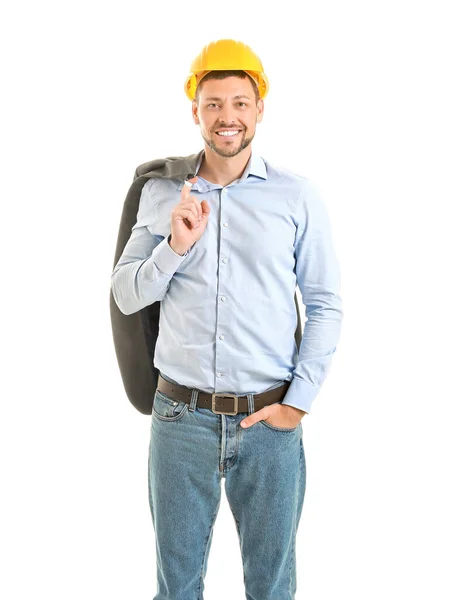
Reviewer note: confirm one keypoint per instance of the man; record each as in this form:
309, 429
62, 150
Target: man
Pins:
223, 254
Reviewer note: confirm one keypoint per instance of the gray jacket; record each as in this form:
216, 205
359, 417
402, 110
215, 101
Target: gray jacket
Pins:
135, 335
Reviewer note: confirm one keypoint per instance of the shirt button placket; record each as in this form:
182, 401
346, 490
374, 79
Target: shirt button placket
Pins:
221, 358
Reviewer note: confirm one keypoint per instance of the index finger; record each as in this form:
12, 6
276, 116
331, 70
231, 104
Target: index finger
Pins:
186, 188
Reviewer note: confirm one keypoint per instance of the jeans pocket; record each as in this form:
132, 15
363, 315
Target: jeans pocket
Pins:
167, 409
282, 429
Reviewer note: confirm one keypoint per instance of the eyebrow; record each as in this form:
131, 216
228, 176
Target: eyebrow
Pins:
235, 97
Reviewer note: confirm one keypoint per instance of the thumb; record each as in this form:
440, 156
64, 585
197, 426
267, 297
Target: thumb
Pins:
254, 417
205, 207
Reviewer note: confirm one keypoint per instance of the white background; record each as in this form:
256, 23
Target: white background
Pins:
360, 103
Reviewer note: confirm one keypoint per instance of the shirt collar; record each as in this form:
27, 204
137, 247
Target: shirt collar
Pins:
255, 166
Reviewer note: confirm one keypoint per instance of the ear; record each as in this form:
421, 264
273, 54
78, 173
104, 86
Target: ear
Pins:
194, 110
260, 110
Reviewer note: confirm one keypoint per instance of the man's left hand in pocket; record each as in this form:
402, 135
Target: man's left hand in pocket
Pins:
277, 414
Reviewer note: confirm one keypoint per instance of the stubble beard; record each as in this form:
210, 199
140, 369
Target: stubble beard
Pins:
228, 152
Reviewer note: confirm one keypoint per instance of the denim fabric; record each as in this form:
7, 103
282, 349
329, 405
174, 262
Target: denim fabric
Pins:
264, 468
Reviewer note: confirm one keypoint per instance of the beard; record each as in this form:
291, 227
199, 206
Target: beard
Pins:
228, 150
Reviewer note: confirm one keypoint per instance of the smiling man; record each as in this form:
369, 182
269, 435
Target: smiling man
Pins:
223, 140
223, 254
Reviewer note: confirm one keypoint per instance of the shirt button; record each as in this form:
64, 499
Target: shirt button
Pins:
221, 337
225, 224
219, 374
225, 260
223, 298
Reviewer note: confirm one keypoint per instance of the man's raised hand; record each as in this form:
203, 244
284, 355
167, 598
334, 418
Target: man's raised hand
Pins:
188, 219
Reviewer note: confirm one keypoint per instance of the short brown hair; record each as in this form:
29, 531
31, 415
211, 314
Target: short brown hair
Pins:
223, 75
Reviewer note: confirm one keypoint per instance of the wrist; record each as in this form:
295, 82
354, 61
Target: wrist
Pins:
174, 247
294, 408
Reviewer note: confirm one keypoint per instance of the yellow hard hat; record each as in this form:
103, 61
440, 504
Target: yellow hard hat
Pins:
225, 55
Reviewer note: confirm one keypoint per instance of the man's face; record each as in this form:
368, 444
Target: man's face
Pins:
227, 104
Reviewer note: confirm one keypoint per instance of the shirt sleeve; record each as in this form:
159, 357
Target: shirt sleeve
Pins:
144, 271
319, 280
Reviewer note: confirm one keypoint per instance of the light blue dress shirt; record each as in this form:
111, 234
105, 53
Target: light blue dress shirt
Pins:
227, 313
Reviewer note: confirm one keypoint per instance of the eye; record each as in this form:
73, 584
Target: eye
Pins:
244, 103
212, 104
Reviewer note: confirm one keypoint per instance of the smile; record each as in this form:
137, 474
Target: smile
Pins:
227, 133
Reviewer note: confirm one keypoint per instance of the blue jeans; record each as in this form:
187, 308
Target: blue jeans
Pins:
264, 467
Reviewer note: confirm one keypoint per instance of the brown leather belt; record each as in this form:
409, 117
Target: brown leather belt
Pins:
222, 403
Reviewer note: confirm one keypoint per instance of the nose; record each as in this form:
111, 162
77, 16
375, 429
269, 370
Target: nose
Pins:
227, 117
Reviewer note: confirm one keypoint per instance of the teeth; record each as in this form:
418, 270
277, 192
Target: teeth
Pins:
227, 133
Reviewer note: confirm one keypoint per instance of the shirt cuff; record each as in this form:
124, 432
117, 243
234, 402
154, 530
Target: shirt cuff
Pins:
300, 394
166, 259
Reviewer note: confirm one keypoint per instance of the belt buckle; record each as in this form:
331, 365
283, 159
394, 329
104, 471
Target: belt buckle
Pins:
236, 403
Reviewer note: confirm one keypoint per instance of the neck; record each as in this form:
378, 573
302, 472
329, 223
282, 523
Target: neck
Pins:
223, 170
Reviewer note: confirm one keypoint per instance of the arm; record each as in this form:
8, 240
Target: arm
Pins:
144, 271
318, 277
